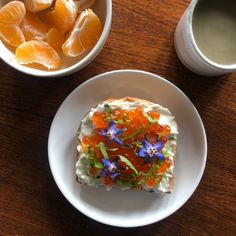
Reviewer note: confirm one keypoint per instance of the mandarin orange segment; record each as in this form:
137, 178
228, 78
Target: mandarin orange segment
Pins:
33, 28
38, 52
84, 36
64, 14
11, 16
37, 5
55, 38
12, 13
12, 35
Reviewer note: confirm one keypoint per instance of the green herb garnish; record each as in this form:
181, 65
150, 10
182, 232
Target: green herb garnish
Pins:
119, 122
132, 135
148, 174
128, 163
103, 149
150, 119
97, 164
127, 146
107, 108
165, 152
125, 118
155, 167
138, 144
127, 184
90, 155
92, 160
113, 149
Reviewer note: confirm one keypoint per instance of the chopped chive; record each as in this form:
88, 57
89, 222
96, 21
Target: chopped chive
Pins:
103, 150
155, 167
138, 144
166, 151
107, 108
127, 146
140, 181
149, 173
97, 164
128, 163
90, 154
132, 135
119, 121
93, 161
150, 119
126, 183
113, 149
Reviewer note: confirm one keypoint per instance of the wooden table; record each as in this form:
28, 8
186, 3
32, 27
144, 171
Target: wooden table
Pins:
141, 38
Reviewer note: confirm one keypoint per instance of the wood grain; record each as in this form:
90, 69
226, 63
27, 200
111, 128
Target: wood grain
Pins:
141, 38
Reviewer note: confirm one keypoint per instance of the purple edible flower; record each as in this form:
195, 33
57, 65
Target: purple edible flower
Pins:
149, 151
112, 133
111, 168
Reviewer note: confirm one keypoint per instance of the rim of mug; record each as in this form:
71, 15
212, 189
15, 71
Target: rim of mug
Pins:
192, 8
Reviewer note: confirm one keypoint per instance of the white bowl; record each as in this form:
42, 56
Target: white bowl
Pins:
127, 208
103, 9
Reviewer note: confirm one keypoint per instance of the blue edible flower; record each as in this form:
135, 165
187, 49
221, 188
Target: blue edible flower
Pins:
149, 151
112, 133
111, 168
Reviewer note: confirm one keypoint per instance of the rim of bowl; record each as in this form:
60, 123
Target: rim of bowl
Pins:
80, 64
191, 11
174, 209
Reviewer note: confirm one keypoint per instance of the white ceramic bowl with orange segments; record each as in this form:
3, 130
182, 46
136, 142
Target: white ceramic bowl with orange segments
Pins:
104, 11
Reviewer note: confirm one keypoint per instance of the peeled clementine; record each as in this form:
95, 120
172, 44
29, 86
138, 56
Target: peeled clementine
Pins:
38, 52
32, 27
84, 35
11, 16
37, 5
64, 14
55, 38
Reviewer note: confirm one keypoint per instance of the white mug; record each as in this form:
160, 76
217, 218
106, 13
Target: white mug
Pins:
188, 50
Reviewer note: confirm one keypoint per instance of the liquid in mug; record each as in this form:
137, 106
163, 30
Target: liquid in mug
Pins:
214, 29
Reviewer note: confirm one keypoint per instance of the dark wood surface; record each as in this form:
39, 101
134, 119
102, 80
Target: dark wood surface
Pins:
141, 38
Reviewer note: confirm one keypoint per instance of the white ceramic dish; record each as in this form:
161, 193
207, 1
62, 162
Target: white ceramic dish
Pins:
127, 208
103, 9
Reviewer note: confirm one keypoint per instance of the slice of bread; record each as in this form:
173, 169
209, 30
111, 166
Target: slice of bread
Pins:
128, 143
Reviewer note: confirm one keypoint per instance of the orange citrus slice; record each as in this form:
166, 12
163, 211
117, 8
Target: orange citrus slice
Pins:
84, 36
55, 38
11, 16
84, 4
64, 14
37, 5
32, 27
38, 52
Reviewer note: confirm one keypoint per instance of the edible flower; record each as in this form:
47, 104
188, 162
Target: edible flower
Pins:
111, 168
112, 133
149, 151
